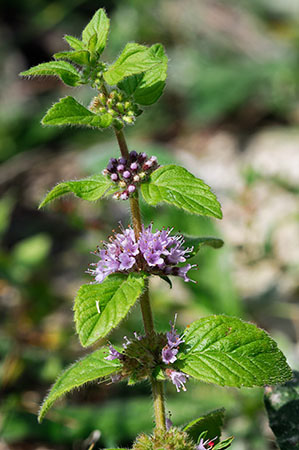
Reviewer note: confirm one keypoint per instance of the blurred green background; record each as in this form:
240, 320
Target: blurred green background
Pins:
230, 114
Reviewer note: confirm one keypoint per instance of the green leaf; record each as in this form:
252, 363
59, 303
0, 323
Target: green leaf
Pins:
91, 189
89, 368
198, 242
74, 43
229, 352
134, 59
212, 423
99, 27
282, 405
146, 88
113, 298
70, 112
167, 279
80, 57
224, 444
62, 69
175, 185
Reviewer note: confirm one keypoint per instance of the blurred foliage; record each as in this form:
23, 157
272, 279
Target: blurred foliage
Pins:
282, 404
233, 70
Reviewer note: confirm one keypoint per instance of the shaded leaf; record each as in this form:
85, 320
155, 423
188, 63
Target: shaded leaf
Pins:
134, 59
230, 352
70, 112
198, 242
62, 69
91, 189
212, 423
282, 405
89, 368
80, 57
175, 185
95, 33
224, 444
113, 298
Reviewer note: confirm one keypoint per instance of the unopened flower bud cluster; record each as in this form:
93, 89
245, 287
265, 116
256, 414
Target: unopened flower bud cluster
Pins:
129, 172
122, 109
141, 355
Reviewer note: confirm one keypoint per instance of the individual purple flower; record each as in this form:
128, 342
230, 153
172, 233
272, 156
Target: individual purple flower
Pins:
178, 379
154, 252
170, 350
173, 338
114, 354
169, 354
168, 423
127, 342
205, 445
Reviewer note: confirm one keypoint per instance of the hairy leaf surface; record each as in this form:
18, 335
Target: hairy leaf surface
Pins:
175, 185
73, 42
80, 57
134, 59
98, 27
91, 189
230, 352
147, 87
113, 298
70, 112
89, 368
62, 69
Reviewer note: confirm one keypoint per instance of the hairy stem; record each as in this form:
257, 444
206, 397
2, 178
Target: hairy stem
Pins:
157, 386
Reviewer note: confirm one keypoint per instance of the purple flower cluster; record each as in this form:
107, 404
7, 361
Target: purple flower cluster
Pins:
171, 349
129, 173
114, 354
154, 252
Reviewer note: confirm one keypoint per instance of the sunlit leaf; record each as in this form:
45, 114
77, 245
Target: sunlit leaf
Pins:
96, 31
70, 112
101, 307
230, 352
175, 185
92, 367
62, 69
91, 189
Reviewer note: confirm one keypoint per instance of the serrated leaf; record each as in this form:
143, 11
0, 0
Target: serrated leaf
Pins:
89, 368
146, 88
134, 59
80, 57
62, 69
175, 185
212, 423
99, 27
73, 42
113, 298
230, 352
91, 189
70, 112
197, 242
282, 406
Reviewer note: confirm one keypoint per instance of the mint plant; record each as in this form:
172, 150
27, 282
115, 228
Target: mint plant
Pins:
216, 349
